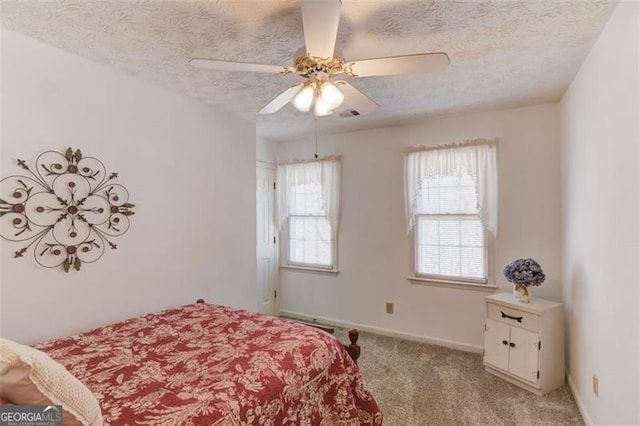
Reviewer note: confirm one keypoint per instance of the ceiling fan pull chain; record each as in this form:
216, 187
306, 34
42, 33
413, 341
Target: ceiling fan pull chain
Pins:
316, 154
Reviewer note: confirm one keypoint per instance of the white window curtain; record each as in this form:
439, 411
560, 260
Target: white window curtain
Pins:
326, 173
476, 158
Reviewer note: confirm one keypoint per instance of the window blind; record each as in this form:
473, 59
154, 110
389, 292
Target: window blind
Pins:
450, 238
452, 246
310, 241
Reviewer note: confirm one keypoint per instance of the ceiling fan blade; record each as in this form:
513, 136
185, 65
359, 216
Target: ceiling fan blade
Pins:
407, 64
320, 19
281, 100
355, 98
215, 64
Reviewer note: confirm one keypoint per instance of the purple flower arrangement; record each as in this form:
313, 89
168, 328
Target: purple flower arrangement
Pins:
524, 272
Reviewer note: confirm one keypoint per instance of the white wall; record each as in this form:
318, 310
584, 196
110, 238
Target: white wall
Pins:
190, 170
265, 149
600, 215
374, 250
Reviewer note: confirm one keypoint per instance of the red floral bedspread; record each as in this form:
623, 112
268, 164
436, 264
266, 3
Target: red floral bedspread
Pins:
213, 365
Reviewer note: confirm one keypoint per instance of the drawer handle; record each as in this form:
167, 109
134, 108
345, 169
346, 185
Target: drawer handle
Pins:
519, 319
504, 342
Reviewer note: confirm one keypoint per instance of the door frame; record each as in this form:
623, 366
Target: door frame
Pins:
276, 246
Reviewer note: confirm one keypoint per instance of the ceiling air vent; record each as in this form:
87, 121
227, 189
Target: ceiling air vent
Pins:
349, 113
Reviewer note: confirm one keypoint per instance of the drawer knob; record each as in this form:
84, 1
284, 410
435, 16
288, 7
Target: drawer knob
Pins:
513, 345
519, 319
504, 342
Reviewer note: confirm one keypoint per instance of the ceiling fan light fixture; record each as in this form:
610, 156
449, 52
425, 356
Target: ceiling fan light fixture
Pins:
330, 95
303, 100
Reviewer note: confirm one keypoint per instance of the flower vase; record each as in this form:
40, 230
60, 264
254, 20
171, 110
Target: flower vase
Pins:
521, 293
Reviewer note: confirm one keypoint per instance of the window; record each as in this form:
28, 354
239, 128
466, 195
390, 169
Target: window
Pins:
309, 241
307, 202
450, 239
452, 202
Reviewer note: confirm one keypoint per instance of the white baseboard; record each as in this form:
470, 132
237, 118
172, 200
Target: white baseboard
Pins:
385, 332
576, 396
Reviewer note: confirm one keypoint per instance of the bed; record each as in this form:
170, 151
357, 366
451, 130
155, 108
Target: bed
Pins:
204, 364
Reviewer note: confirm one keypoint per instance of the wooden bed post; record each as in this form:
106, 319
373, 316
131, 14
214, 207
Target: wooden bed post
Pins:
353, 348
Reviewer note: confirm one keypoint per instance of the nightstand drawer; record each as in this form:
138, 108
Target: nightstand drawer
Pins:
512, 317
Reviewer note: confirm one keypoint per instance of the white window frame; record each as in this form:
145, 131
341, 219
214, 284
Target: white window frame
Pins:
330, 182
485, 169
310, 267
445, 280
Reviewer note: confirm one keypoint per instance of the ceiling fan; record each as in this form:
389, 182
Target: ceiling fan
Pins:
319, 62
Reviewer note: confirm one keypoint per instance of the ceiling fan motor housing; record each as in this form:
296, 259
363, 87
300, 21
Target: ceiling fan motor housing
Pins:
307, 65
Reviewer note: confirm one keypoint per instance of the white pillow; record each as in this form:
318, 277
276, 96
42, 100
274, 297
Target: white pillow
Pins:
30, 377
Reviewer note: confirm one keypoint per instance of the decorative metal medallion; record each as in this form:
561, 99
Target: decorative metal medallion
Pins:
67, 210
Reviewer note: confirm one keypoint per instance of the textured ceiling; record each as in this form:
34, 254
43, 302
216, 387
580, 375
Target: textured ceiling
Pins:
503, 53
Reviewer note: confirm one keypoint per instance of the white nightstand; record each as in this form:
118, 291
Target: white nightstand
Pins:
524, 342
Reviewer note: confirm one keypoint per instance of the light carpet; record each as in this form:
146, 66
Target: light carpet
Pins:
421, 384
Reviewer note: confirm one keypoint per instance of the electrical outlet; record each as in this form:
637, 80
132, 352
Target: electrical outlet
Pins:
595, 385
389, 307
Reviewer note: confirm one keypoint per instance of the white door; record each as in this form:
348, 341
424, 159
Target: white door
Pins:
266, 241
496, 344
523, 357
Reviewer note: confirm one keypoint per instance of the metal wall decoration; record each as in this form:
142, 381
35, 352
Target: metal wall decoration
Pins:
67, 209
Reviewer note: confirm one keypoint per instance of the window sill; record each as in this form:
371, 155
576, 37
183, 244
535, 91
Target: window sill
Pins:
452, 284
311, 270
